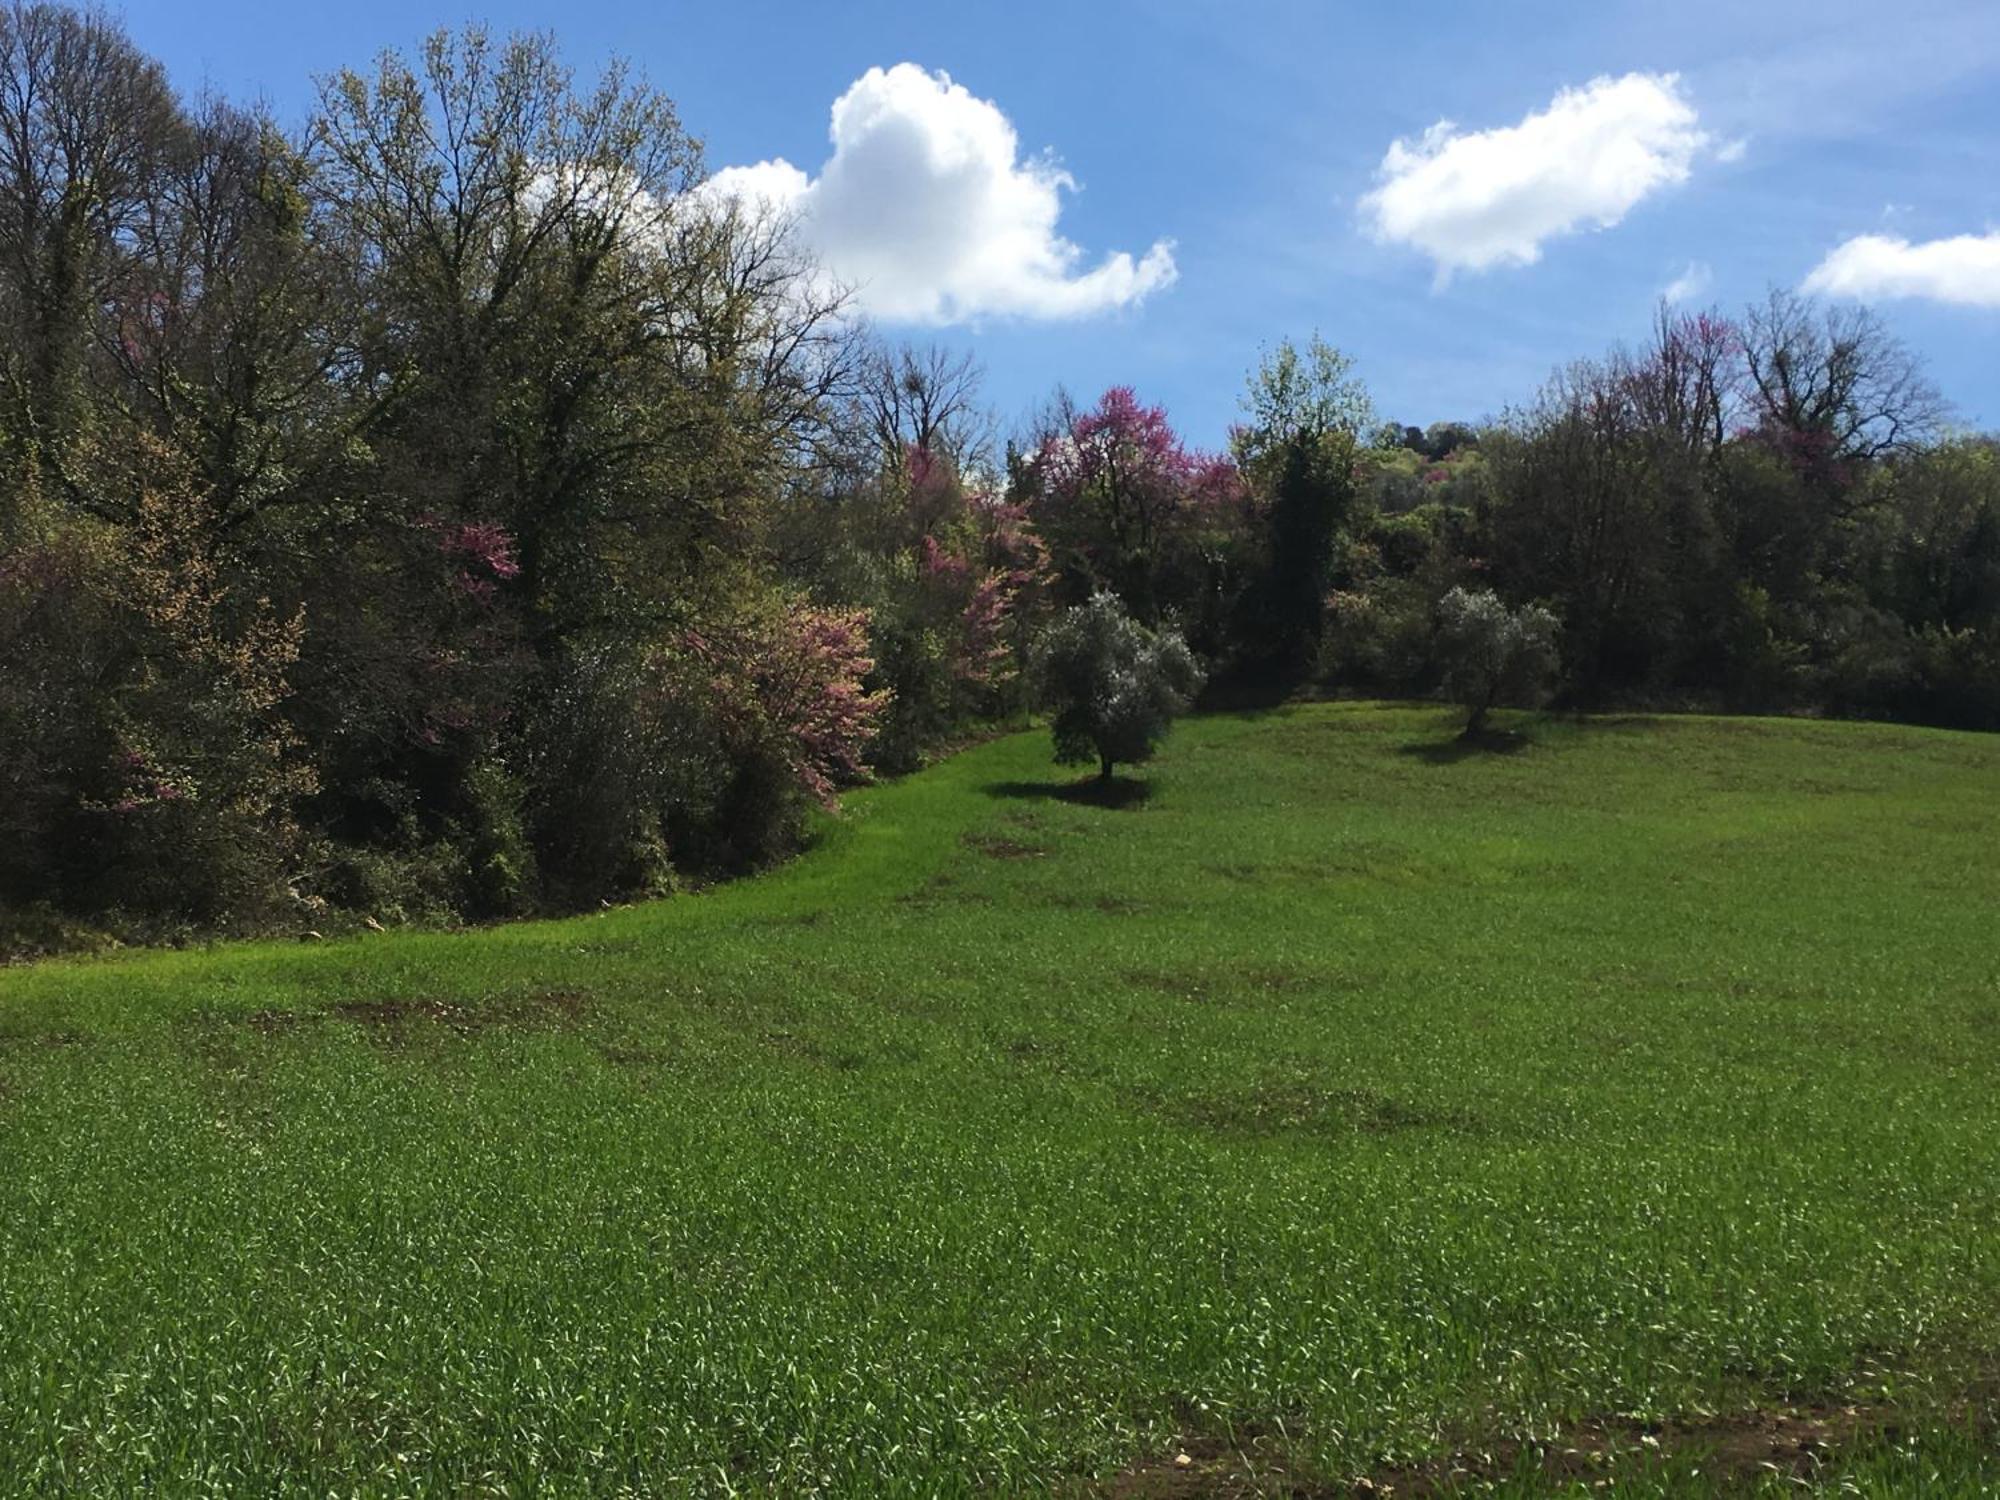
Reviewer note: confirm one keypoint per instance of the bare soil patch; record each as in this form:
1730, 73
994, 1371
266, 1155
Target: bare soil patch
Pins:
1281, 1106
993, 846
1730, 1451
403, 1019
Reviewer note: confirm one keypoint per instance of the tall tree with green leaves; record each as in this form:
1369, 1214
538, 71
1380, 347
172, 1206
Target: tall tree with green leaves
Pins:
1306, 413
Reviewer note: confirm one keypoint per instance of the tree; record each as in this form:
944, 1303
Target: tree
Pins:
1114, 685
1126, 505
1833, 387
1602, 500
1307, 414
86, 121
927, 400
1492, 654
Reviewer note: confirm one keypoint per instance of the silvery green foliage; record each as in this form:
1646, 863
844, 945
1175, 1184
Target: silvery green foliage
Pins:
1494, 655
1113, 686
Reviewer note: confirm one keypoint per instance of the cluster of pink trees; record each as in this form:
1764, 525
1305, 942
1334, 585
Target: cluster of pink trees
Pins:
1125, 502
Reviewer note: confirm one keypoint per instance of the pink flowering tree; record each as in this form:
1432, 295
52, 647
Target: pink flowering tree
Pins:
958, 587
467, 665
790, 682
1126, 503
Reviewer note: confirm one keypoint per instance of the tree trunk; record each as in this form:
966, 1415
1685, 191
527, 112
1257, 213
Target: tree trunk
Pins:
1103, 767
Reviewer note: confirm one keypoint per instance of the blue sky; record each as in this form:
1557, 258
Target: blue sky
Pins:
1244, 159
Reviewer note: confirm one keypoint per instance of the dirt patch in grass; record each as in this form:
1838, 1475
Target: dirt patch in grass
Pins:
1206, 1469
1104, 903
274, 1022
941, 889
1288, 1106
623, 1055
394, 1022
811, 1050
1727, 1451
993, 846
40, 1041
1174, 985
1211, 981
1283, 1106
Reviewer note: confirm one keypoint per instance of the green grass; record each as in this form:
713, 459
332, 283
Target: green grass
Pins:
1343, 1103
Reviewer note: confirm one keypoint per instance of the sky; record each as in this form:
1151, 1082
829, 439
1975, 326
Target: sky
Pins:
1461, 196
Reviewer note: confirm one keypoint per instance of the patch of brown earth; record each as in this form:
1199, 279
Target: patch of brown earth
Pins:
1727, 1451
621, 1056
941, 888
1211, 980
399, 1020
810, 1050
1206, 1469
41, 1041
1278, 1106
995, 847
274, 1022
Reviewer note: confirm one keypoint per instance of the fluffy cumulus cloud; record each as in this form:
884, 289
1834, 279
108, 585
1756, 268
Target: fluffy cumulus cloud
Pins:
1964, 269
1471, 200
928, 211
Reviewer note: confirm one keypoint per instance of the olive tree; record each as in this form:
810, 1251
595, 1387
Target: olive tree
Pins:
1113, 686
1494, 655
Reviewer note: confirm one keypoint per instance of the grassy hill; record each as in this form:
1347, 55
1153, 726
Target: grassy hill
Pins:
1344, 1108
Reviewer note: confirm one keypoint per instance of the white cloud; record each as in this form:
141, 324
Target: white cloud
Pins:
1964, 269
1472, 200
1693, 282
926, 209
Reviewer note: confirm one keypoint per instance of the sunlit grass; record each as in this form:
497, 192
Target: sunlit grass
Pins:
1341, 1102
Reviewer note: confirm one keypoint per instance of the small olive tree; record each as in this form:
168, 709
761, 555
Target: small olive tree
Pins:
1113, 685
1493, 654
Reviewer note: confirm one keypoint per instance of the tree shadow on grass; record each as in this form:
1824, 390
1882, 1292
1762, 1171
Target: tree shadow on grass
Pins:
1120, 792
1467, 747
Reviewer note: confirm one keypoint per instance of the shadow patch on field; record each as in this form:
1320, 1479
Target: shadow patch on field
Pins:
1479, 746
1119, 793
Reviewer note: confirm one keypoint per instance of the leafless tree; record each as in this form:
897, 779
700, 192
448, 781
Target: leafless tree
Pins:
1835, 377
928, 399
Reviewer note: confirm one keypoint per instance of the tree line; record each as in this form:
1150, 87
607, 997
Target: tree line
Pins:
445, 509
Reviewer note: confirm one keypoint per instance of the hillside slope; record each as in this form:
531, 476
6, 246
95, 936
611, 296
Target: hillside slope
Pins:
1337, 1102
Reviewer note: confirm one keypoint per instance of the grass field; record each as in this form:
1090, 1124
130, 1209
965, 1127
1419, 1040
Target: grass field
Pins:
1344, 1112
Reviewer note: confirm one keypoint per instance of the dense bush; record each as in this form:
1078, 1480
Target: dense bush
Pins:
1113, 686
1493, 655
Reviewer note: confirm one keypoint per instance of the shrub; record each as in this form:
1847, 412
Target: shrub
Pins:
1114, 686
1492, 654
